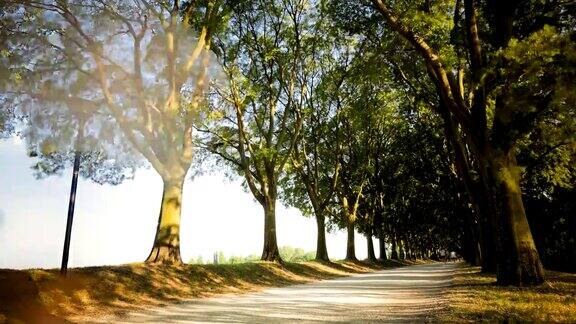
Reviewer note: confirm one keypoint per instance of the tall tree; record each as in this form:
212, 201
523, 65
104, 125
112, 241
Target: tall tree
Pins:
259, 106
136, 64
315, 167
355, 164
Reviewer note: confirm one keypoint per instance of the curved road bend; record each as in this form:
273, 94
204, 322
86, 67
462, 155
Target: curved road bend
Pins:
408, 293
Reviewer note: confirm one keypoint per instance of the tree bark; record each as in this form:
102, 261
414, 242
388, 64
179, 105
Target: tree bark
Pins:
488, 244
475, 250
270, 251
321, 250
489, 229
166, 248
370, 245
401, 252
394, 254
382, 243
409, 251
350, 246
519, 262
471, 249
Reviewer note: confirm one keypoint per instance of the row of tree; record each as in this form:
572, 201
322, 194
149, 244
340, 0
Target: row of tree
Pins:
288, 254
431, 125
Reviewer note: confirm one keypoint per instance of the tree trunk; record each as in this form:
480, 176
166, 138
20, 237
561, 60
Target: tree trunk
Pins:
166, 248
488, 221
409, 251
488, 246
321, 251
270, 251
394, 254
401, 252
382, 244
350, 247
470, 251
370, 244
519, 262
478, 196
475, 245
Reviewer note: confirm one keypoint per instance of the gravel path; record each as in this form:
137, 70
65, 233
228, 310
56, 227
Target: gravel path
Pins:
401, 294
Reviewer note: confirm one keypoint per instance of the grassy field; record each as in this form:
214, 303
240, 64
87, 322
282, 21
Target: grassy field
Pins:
476, 297
43, 296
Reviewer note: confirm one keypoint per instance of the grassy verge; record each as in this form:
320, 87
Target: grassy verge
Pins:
476, 297
43, 296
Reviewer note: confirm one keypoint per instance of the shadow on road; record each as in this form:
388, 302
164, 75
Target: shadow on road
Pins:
407, 293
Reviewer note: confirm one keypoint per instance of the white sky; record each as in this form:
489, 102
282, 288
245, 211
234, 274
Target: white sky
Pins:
116, 224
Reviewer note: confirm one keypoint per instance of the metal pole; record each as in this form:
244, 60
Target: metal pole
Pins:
72, 201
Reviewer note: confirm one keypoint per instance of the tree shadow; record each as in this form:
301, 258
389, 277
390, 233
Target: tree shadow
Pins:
120, 289
368, 297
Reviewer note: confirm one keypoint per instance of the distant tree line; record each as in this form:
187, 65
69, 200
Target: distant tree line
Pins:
287, 253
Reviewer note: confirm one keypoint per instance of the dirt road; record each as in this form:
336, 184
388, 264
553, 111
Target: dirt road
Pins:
407, 293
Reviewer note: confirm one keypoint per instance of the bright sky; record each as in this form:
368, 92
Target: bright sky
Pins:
116, 224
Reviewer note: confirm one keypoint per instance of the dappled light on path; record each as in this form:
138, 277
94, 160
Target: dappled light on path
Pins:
398, 294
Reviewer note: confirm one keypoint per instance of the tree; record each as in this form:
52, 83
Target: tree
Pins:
291, 254
259, 107
493, 146
367, 125
311, 181
136, 64
354, 162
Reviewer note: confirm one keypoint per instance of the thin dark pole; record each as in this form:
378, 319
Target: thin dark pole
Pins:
71, 203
